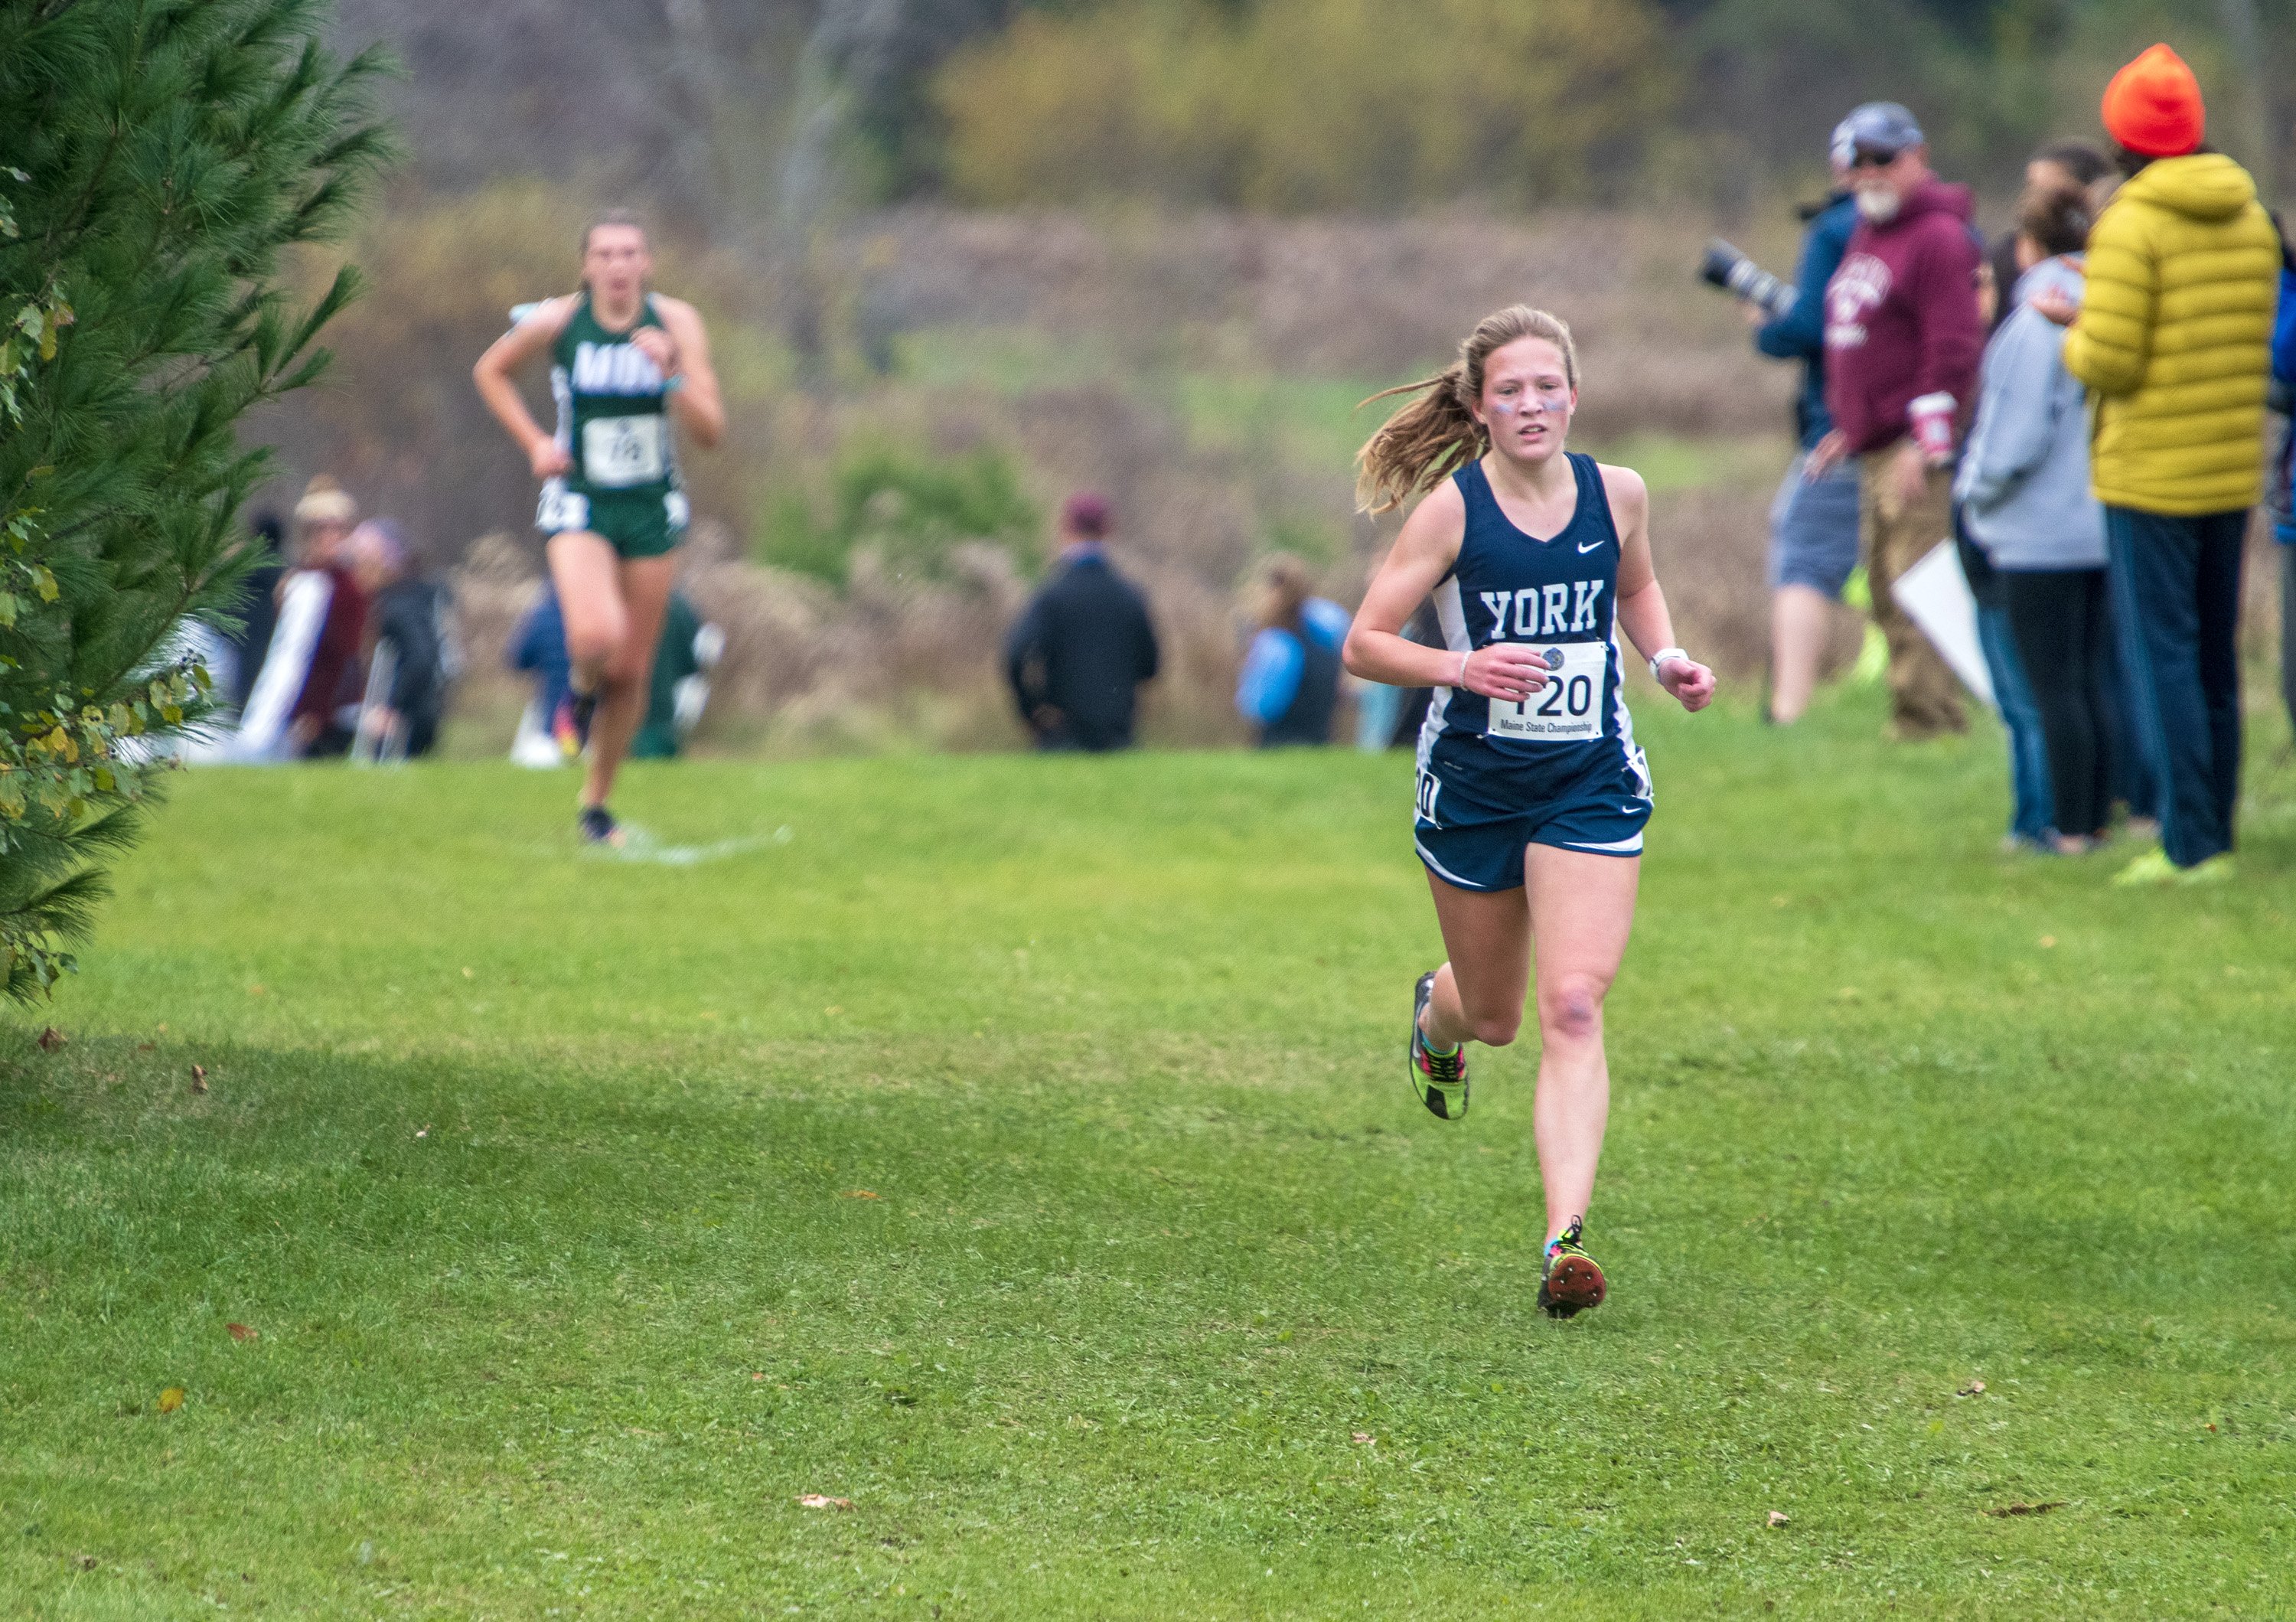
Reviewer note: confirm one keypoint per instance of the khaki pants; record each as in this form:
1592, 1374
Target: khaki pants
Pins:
1924, 698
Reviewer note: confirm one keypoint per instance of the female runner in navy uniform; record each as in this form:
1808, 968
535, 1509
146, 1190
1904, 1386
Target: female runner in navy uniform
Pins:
1530, 784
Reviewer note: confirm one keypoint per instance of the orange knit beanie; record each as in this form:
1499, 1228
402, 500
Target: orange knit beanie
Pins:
2153, 107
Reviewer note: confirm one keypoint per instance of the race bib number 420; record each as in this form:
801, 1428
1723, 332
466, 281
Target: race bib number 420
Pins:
618, 452
1569, 708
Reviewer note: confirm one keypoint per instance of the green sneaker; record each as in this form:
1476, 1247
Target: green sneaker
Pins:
1572, 1281
1441, 1079
2217, 868
2153, 867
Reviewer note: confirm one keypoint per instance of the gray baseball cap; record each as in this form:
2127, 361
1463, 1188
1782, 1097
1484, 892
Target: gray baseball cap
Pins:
1883, 128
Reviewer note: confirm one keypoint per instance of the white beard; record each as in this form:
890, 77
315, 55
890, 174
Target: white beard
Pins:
1879, 207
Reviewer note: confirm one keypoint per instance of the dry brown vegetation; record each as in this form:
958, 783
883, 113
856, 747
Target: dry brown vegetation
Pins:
1198, 368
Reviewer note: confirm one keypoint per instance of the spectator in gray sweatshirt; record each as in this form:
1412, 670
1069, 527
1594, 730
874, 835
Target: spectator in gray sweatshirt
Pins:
2026, 499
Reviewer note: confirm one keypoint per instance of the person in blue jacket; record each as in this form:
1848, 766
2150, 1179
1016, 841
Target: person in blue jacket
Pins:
1290, 680
1813, 521
2279, 496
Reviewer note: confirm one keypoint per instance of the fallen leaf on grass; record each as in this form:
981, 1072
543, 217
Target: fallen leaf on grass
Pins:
2026, 1509
817, 1501
1779, 1518
171, 1399
51, 1039
860, 1193
1359, 1436
85, 1563
145, 1047
423, 1131
198, 1078
1976, 1388
240, 1331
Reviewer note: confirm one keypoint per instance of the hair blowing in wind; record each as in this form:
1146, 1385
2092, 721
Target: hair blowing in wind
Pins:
1436, 433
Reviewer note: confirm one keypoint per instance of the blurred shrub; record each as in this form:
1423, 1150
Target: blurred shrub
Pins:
912, 511
1301, 104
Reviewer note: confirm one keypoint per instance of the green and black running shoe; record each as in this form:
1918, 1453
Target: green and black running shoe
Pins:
1572, 1280
1441, 1079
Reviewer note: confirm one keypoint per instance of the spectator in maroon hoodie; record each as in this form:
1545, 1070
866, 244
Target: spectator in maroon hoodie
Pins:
322, 525
1903, 337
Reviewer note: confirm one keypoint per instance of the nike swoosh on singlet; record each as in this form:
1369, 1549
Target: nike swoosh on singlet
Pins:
1587, 547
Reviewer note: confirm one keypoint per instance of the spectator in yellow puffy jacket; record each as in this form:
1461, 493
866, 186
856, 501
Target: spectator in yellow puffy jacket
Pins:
2173, 341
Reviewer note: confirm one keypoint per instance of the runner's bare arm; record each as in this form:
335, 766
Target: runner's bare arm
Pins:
1642, 612
1424, 554
697, 405
528, 338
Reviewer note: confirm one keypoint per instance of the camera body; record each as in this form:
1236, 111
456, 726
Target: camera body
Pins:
1734, 274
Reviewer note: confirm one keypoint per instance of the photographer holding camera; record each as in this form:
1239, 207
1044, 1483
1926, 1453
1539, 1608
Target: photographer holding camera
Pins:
1814, 520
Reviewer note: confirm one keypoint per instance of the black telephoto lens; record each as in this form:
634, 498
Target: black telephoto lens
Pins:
1733, 272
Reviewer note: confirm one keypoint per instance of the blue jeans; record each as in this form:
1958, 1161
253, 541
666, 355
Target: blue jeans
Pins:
2032, 816
2175, 607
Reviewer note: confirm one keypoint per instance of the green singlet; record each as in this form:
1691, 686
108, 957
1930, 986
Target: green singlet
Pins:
613, 418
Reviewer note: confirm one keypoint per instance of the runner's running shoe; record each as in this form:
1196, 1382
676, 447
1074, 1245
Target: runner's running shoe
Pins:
1572, 1281
599, 827
1441, 1079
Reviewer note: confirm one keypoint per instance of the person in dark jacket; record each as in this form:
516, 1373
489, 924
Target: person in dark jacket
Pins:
2280, 471
409, 625
1289, 686
258, 602
1902, 339
1077, 656
1814, 520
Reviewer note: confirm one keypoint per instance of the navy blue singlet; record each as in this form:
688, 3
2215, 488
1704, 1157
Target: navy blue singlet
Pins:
1561, 768
1560, 595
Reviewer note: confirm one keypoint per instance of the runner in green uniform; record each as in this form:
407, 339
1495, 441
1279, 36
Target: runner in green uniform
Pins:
625, 362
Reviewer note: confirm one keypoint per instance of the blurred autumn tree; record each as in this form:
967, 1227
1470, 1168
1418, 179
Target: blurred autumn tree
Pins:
157, 158
1307, 104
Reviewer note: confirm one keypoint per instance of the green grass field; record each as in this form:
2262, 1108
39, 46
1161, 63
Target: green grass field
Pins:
1019, 1150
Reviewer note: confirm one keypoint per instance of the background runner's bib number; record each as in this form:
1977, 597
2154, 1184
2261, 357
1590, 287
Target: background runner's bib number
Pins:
618, 452
1569, 708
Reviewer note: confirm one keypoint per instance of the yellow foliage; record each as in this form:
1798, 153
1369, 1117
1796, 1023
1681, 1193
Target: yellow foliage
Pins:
1300, 105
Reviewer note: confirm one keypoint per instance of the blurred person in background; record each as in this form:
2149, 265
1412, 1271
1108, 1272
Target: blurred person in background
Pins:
2173, 338
1902, 341
2061, 166
330, 676
1077, 655
1814, 520
625, 364
537, 648
259, 605
2280, 467
2025, 498
680, 688
1290, 686
414, 657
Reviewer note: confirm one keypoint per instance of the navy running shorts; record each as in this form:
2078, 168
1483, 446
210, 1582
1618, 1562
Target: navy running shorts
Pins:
1479, 808
1814, 528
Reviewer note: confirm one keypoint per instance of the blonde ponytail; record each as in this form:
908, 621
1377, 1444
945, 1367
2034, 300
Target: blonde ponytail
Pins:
1436, 433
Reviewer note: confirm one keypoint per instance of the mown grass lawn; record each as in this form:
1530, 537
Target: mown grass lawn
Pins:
1019, 1150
